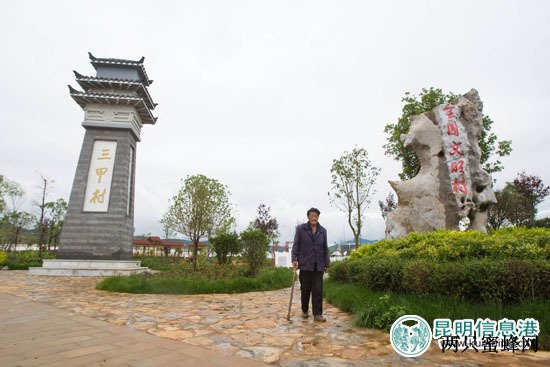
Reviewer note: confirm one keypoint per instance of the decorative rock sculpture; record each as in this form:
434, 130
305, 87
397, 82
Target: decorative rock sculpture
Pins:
451, 190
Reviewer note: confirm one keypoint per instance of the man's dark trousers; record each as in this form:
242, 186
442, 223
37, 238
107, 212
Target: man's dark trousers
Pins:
311, 282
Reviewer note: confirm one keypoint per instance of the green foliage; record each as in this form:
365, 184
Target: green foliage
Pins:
54, 217
427, 100
3, 258
14, 224
541, 223
352, 181
511, 208
165, 263
268, 279
468, 265
518, 201
361, 302
22, 260
265, 223
379, 314
199, 209
505, 243
510, 269
11, 194
225, 245
255, 244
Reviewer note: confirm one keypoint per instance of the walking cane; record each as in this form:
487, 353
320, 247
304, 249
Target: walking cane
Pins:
291, 292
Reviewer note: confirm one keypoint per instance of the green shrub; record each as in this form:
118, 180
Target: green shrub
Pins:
22, 260
378, 274
505, 244
415, 274
225, 245
339, 271
255, 244
379, 314
475, 280
3, 258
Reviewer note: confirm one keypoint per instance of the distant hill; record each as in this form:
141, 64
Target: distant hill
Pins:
349, 245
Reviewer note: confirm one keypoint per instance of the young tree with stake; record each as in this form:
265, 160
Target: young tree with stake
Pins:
353, 178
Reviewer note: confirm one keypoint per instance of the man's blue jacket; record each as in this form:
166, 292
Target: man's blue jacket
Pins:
310, 250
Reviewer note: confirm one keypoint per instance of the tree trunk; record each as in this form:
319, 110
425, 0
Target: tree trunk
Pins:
358, 216
42, 229
195, 252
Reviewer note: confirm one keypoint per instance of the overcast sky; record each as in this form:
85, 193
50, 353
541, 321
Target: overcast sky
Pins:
263, 95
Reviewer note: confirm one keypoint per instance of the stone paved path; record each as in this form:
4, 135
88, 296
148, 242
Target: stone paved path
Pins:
250, 325
35, 334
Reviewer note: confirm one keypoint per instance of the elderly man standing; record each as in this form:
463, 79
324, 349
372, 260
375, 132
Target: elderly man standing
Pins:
310, 255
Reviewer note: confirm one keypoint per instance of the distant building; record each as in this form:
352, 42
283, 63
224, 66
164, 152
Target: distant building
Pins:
155, 246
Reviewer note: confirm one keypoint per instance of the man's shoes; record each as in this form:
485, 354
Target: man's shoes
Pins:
304, 315
319, 318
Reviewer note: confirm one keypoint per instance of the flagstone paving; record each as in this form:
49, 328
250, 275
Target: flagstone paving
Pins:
250, 325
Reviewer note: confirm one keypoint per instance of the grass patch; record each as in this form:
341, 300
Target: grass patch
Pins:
377, 309
182, 283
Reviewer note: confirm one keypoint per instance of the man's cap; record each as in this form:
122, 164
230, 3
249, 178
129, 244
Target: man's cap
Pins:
314, 210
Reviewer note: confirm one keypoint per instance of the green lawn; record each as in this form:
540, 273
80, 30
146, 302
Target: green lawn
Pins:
187, 283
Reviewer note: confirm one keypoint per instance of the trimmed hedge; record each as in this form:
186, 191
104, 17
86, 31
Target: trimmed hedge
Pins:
506, 243
509, 266
478, 280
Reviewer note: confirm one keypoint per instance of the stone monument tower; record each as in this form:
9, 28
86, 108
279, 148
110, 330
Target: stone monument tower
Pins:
99, 223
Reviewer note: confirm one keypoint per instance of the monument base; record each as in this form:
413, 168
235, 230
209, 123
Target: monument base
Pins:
89, 268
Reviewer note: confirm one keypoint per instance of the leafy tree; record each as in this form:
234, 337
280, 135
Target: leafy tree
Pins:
16, 222
265, 223
532, 189
517, 202
541, 223
168, 231
388, 205
11, 195
255, 244
199, 209
424, 102
353, 178
510, 208
54, 219
225, 245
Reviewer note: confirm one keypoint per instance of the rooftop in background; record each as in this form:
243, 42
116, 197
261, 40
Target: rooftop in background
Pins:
157, 241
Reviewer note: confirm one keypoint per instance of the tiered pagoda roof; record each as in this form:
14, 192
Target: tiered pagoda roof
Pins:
116, 91
96, 61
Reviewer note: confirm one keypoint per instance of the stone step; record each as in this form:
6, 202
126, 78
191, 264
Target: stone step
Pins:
90, 264
89, 268
83, 272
